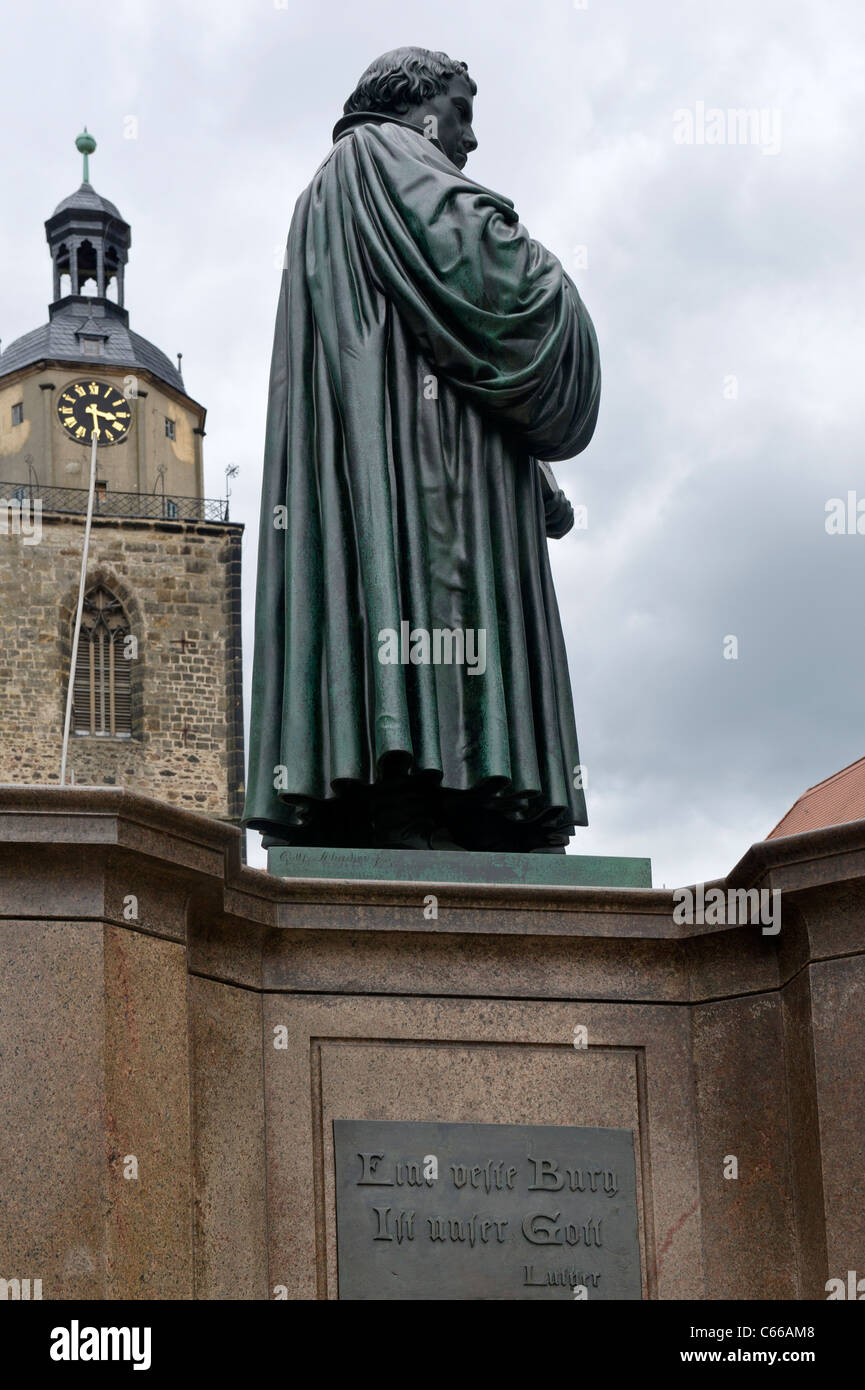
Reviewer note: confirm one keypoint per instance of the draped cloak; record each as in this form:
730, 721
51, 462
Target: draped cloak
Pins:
427, 352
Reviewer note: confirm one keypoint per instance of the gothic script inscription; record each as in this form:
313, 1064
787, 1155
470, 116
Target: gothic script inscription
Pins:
460, 1211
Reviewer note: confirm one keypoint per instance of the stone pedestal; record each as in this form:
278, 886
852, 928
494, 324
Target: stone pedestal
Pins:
178, 1033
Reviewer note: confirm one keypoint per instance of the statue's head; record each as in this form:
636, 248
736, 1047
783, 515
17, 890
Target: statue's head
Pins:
416, 84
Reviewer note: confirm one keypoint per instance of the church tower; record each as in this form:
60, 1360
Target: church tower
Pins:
157, 696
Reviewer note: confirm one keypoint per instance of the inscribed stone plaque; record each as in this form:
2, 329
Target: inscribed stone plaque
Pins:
459, 1211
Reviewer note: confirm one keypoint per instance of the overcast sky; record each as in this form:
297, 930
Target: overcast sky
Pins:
725, 281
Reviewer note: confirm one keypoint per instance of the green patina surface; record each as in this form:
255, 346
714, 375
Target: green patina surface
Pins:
427, 352
457, 866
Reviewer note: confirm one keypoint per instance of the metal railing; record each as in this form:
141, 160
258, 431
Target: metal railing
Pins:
155, 505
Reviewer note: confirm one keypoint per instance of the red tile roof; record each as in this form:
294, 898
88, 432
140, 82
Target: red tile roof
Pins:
840, 798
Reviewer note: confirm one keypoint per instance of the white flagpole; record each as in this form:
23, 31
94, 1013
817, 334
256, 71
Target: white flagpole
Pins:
80, 609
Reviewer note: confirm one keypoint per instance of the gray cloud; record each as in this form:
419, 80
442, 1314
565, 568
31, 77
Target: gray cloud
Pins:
706, 514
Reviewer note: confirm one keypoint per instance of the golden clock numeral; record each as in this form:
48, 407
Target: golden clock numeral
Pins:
70, 424
119, 403
66, 410
79, 390
80, 432
94, 388
67, 397
109, 437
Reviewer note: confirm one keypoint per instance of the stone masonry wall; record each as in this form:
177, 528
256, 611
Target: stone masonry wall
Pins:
180, 584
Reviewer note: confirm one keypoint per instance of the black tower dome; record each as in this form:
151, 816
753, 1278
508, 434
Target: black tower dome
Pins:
89, 242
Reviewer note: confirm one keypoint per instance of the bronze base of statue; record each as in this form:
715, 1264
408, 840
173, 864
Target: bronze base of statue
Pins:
413, 812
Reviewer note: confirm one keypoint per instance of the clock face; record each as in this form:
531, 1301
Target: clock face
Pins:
87, 404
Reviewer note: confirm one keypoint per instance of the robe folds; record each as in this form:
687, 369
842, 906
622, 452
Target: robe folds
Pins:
427, 352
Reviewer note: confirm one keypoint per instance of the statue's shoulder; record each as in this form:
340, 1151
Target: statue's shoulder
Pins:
402, 155
377, 130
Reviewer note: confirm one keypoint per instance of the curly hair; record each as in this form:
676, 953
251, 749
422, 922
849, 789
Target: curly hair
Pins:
404, 77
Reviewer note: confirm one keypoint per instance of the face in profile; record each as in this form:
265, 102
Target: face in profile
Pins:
453, 110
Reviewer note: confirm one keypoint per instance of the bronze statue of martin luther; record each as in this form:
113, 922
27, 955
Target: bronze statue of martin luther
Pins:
410, 683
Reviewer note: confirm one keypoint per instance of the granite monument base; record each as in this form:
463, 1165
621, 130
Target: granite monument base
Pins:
183, 1040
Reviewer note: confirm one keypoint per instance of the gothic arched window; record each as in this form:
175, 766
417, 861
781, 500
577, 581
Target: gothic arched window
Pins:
101, 695
111, 283
88, 268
